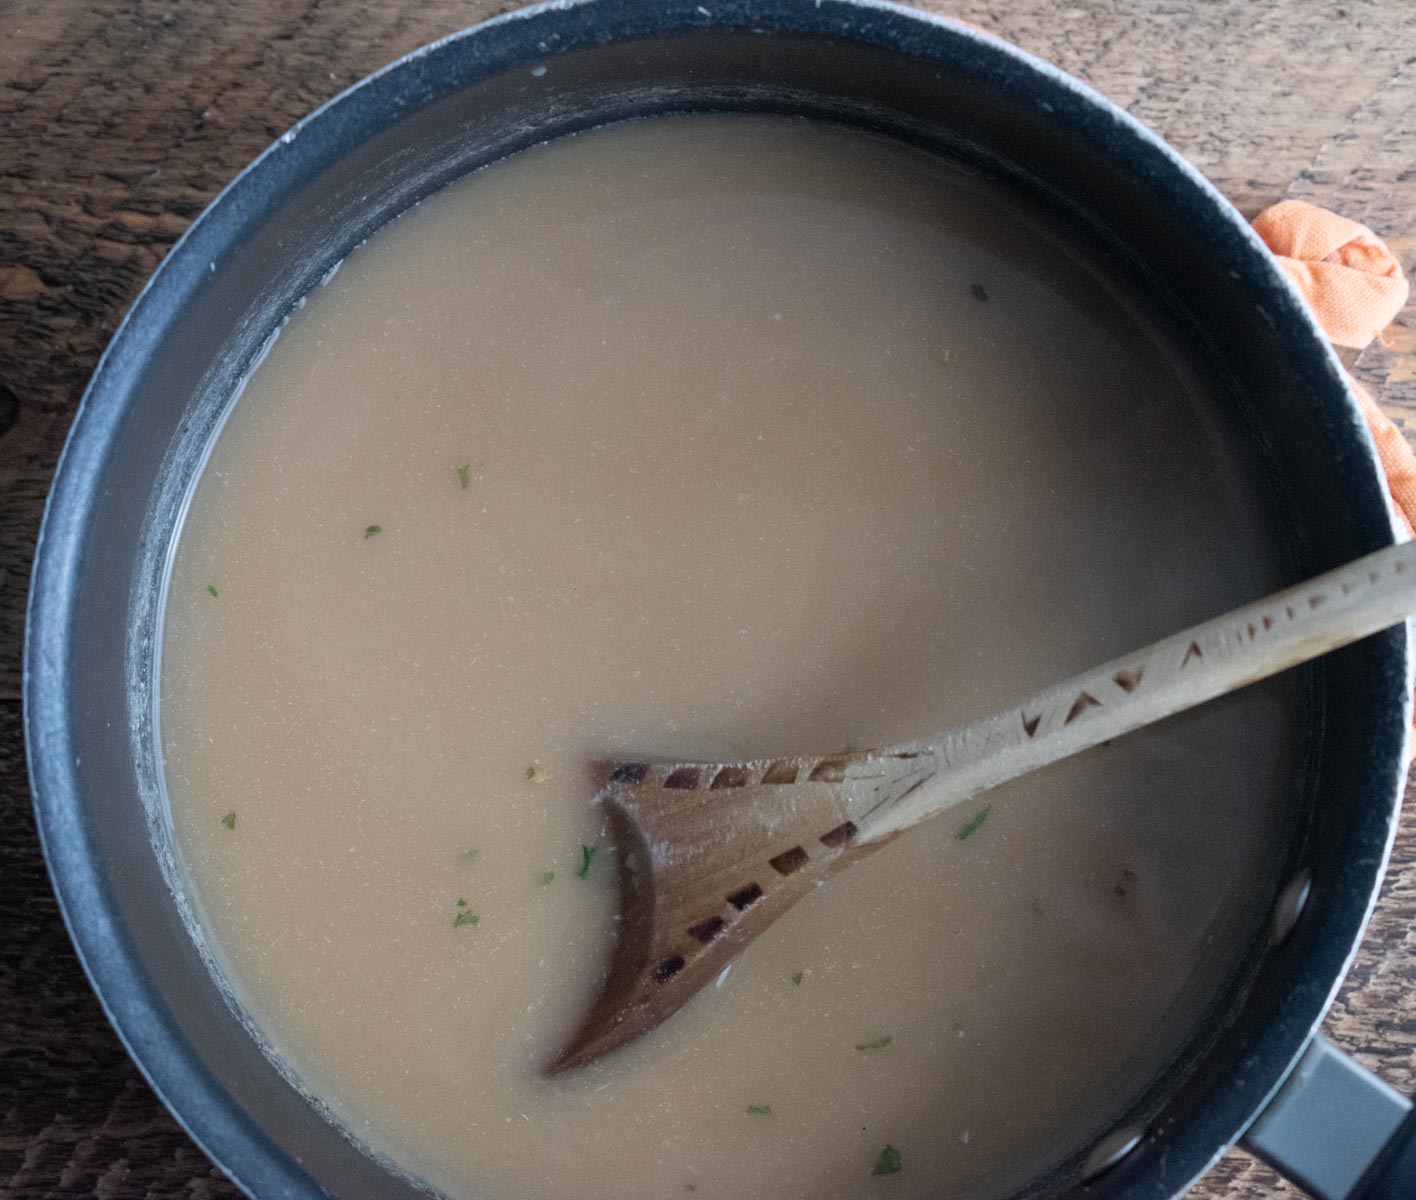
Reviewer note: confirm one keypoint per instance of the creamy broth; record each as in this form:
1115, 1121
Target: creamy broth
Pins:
712, 436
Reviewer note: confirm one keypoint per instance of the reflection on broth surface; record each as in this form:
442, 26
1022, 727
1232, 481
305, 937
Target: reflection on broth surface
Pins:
712, 436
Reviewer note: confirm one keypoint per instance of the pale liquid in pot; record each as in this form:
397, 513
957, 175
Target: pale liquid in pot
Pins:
779, 438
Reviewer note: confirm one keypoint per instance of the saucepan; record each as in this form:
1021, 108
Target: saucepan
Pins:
1256, 1070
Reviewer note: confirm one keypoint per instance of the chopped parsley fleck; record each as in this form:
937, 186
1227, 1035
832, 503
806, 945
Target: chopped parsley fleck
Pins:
974, 823
536, 773
796, 979
888, 1163
464, 918
587, 856
546, 877
760, 1110
229, 820
464, 475
371, 530
877, 1044
461, 903
211, 587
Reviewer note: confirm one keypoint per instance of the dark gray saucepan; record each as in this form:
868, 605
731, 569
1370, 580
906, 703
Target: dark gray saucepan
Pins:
335, 178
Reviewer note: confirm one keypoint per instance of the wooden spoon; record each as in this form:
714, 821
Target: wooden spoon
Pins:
710, 854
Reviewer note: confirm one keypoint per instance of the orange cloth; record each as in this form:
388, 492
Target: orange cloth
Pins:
1355, 287
1350, 280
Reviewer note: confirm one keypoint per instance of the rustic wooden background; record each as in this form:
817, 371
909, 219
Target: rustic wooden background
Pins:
120, 119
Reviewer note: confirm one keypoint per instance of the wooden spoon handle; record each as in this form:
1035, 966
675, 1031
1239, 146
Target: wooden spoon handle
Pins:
1179, 672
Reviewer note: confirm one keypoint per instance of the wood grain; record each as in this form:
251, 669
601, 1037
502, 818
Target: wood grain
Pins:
120, 119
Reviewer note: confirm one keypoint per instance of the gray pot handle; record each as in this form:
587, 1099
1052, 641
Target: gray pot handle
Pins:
1338, 1130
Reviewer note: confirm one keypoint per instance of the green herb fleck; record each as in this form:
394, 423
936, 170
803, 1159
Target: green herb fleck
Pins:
878, 1044
587, 856
461, 903
974, 823
371, 530
796, 979
546, 877
464, 475
464, 918
536, 773
760, 1110
211, 587
229, 820
888, 1163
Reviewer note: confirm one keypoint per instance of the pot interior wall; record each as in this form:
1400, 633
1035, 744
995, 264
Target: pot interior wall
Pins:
160, 394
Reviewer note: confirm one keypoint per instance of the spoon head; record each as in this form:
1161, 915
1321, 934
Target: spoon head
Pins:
710, 854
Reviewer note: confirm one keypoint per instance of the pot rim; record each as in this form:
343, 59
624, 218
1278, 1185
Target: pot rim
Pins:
197, 1100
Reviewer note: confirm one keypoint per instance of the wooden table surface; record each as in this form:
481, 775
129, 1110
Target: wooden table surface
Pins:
120, 120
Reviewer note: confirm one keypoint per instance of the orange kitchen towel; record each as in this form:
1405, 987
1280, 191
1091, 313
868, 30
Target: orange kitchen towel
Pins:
1349, 278
1355, 287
